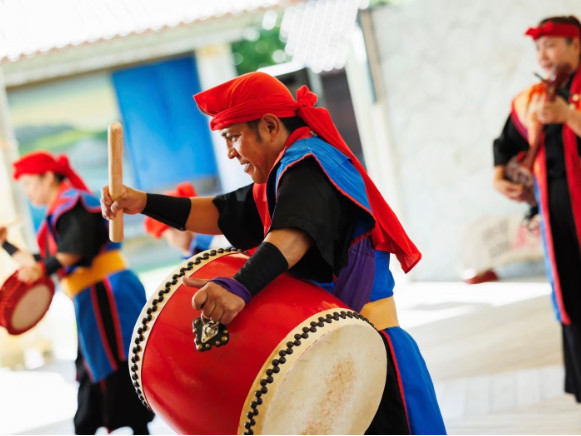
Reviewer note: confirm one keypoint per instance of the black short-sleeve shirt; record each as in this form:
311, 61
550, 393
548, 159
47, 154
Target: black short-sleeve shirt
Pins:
307, 201
82, 233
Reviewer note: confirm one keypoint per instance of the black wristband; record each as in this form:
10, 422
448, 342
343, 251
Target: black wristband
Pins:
51, 265
173, 211
266, 264
9, 248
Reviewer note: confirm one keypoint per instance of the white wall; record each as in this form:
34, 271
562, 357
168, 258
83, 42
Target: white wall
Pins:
215, 67
450, 69
12, 206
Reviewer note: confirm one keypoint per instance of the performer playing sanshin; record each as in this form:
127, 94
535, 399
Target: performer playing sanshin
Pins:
312, 210
107, 297
557, 174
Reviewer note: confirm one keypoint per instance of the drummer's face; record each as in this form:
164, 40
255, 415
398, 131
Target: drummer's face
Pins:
255, 148
38, 188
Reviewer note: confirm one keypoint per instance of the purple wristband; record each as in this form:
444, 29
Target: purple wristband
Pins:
234, 287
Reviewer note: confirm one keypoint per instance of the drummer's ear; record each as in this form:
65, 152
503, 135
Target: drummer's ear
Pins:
274, 127
53, 178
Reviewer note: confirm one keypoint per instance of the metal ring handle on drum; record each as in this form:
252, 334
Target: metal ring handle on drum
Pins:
210, 328
209, 333
154, 306
206, 321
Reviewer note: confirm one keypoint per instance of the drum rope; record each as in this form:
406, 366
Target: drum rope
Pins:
281, 360
273, 369
152, 309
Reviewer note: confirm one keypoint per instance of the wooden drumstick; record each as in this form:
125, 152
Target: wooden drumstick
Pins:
115, 149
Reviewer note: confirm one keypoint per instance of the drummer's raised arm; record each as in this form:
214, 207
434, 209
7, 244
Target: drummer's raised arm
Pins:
131, 201
197, 214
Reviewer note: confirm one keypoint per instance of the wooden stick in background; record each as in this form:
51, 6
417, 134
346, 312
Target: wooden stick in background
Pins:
115, 150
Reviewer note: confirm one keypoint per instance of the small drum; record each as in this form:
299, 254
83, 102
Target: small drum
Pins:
296, 360
22, 305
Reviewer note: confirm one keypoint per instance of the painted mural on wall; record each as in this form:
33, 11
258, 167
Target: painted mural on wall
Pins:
70, 116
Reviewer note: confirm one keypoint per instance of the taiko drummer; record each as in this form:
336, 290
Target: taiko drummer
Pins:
312, 210
108, 297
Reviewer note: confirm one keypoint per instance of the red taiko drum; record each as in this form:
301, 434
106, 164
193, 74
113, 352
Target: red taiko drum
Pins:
296, 360
22, 305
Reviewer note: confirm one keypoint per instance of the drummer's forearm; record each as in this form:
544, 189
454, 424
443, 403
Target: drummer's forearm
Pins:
49, 265
280, 250
292, 243
20, 257
67, 259
203, 217
498, 173
52, 264
23, 258
198, 214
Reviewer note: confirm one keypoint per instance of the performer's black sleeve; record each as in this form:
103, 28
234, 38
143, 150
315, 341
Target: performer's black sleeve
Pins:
508, 144
308, 201
81, 232
239, 220
170, 210
9, 248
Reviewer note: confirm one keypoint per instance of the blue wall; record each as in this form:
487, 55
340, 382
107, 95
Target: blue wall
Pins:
165, 135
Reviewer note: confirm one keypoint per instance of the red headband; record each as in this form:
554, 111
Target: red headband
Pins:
156, 228
246, 98
41, 162
252, 95
550, 28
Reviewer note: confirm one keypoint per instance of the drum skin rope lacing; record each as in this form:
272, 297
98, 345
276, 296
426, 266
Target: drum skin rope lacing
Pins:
273, 369
281, 360
137, 348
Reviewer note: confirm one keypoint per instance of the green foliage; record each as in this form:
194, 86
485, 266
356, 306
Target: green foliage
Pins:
375, 3
62, 138
262, 48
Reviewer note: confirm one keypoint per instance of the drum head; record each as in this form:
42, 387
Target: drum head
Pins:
296, 360
31, 308
22, 305
332, 384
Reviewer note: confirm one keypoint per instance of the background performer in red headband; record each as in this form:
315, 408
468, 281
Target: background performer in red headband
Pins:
557, 174
74, 243
312, 210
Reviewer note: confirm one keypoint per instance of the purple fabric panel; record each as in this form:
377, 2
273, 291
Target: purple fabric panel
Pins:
355, 281
234, 287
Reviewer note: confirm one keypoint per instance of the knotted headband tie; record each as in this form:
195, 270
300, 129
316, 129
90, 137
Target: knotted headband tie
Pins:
251, 96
